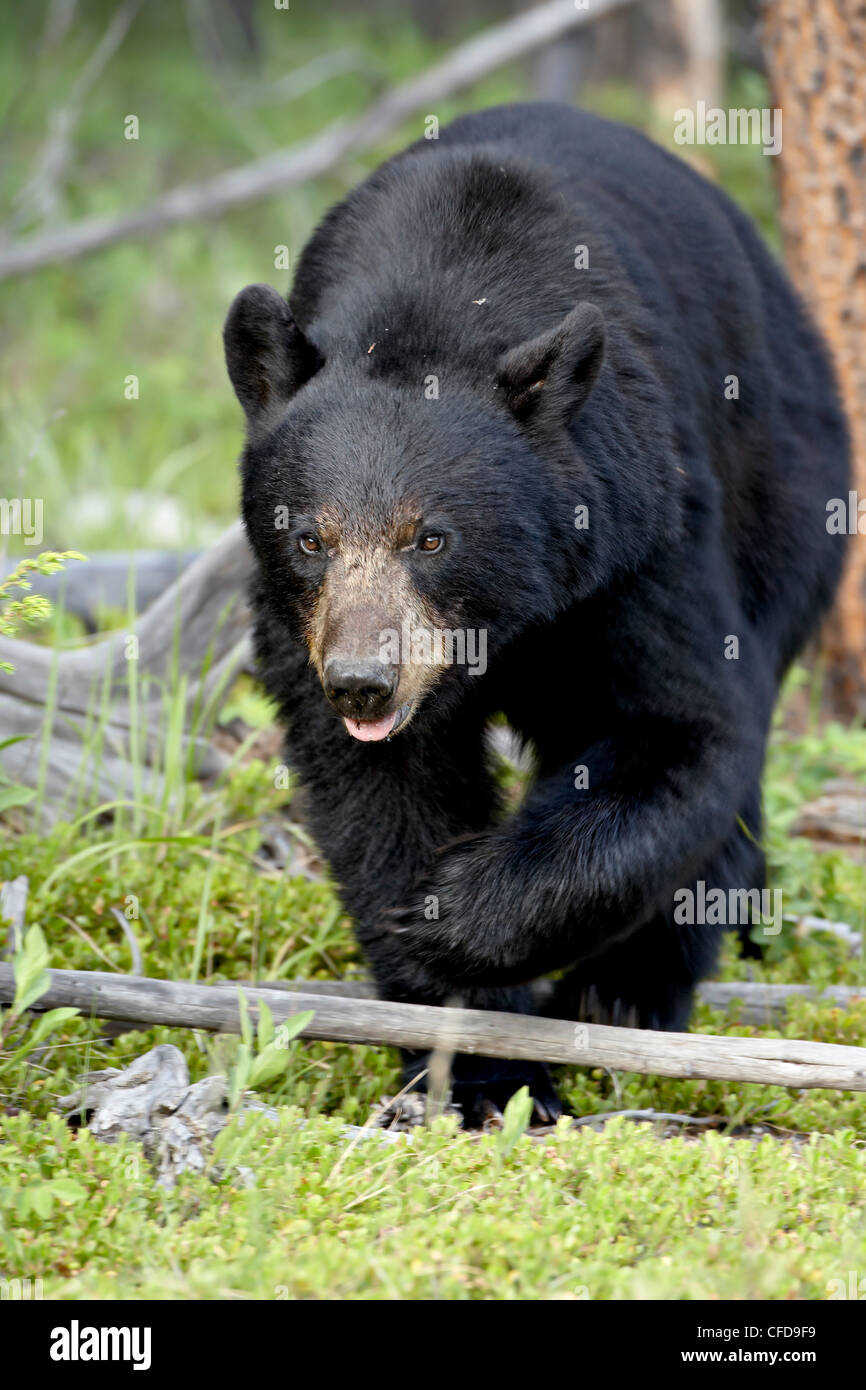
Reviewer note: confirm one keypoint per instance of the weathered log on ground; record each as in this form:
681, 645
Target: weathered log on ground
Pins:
762, 1005
202, 618
781, 1062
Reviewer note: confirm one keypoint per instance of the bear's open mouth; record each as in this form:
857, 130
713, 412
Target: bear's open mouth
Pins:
373, 730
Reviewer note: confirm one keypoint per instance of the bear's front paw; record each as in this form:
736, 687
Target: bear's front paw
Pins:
452, 926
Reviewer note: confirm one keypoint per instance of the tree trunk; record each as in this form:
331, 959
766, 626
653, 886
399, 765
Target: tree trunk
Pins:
816, 62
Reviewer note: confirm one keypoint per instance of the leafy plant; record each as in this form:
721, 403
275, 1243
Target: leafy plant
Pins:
266, 1057
515, 1120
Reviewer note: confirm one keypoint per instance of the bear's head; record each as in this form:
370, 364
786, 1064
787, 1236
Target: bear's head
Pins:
406, 530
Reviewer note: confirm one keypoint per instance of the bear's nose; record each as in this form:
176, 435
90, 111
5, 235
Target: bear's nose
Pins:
359, 690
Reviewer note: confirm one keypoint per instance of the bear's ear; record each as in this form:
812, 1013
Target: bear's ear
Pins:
550, 378
267, 355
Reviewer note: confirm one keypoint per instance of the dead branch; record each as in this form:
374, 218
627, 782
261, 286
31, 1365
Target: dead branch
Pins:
766, 1061
503, 43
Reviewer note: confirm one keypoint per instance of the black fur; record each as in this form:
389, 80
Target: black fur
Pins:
563, 387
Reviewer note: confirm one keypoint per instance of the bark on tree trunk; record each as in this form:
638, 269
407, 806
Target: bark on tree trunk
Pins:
816, 60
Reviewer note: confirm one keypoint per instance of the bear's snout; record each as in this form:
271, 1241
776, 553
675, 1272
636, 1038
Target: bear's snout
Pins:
359, 689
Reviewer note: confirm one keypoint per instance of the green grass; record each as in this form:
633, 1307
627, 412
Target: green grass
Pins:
438, 1215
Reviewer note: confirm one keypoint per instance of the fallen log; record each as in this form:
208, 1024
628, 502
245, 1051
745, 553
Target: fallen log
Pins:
763, 1005
765, 1061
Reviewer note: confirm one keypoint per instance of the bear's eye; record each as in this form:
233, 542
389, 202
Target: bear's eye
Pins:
309, 544
431, 542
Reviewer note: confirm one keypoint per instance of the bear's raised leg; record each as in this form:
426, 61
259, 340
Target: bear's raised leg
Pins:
574, 874
648, 979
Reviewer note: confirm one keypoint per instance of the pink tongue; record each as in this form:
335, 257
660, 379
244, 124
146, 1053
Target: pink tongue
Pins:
369, 730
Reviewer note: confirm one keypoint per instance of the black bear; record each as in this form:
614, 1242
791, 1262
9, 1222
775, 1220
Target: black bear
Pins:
542, 432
